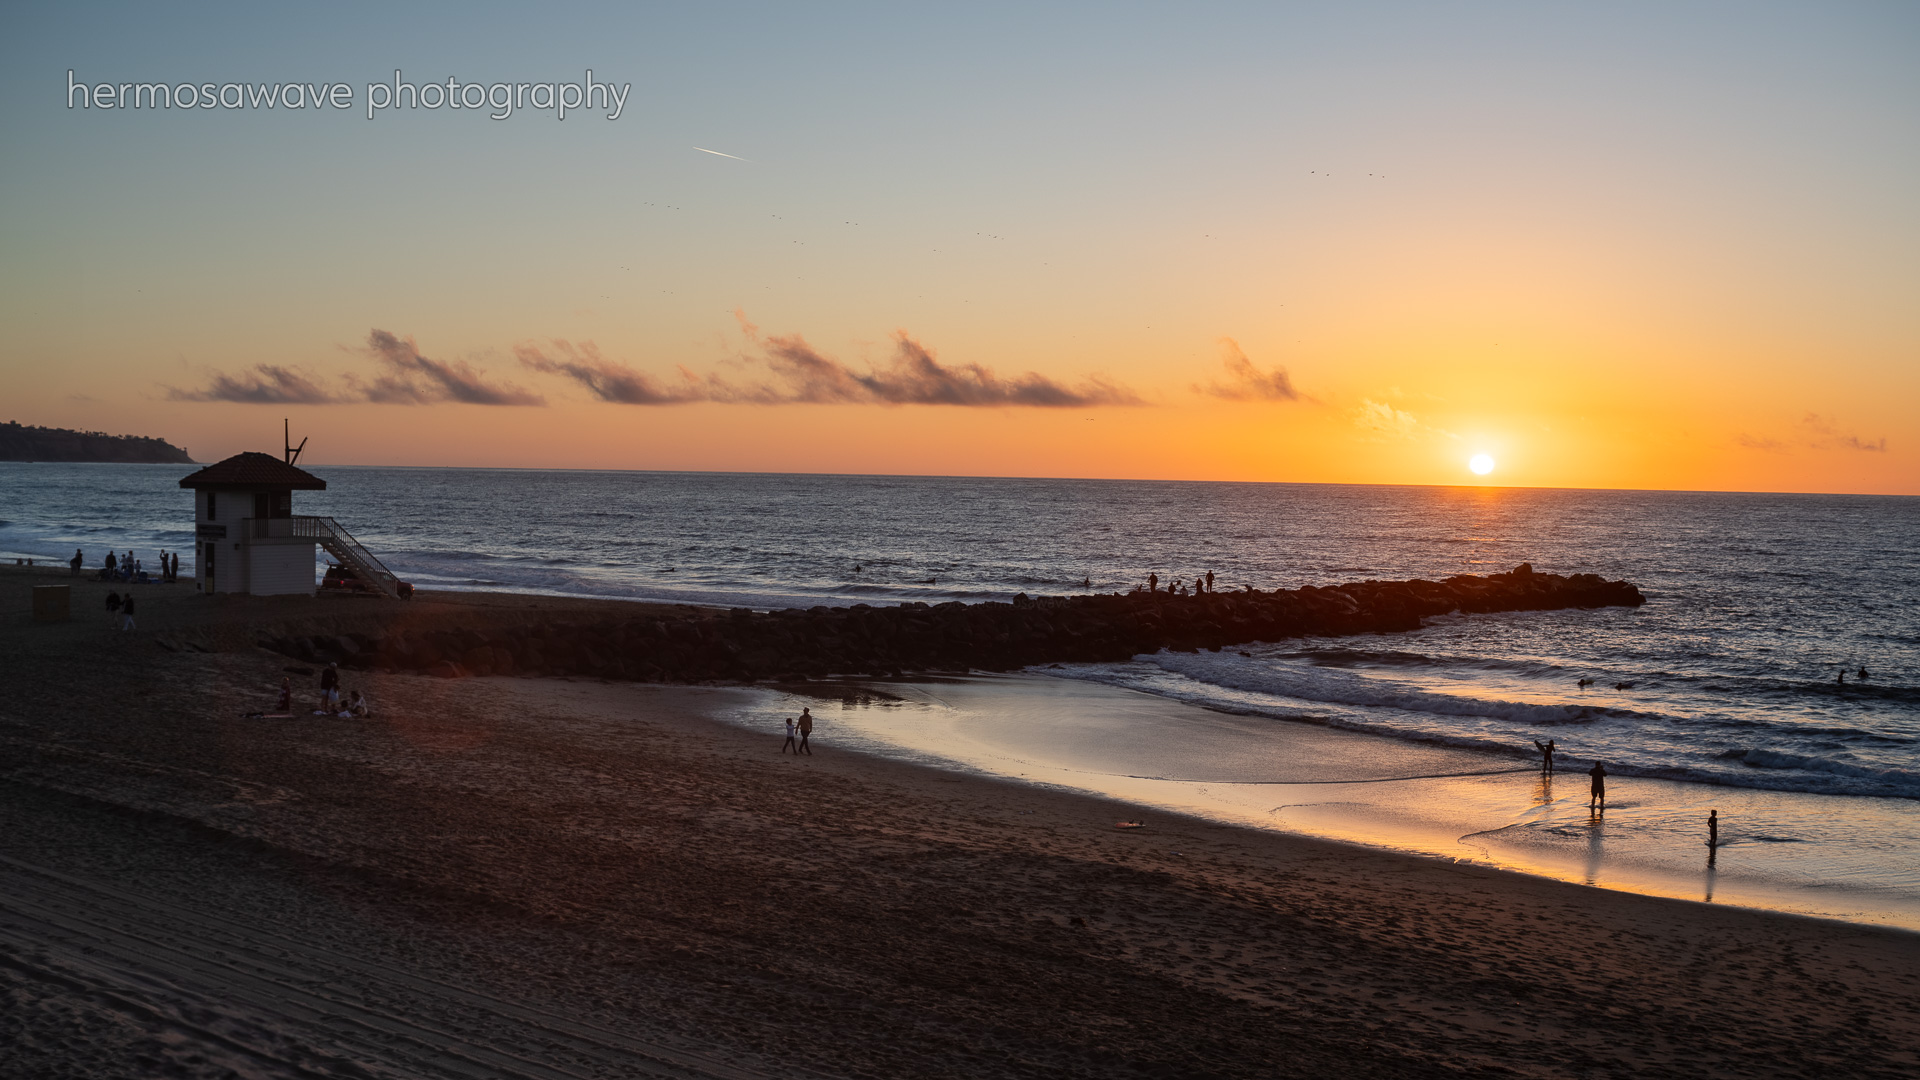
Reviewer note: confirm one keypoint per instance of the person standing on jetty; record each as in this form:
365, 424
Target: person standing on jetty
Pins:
1209, 581
806, 730
1598, 796
1546, 755
789, 744
1153, 581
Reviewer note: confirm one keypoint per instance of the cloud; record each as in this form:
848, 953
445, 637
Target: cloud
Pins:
263, 384
1761, 442
797, 373
1815, 432
1823, 435
1248, 383
412, 379
604, 379
1385, 421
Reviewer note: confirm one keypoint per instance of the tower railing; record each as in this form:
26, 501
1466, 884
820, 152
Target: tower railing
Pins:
338, 542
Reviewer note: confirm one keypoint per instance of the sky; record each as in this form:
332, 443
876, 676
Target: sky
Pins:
1640, 245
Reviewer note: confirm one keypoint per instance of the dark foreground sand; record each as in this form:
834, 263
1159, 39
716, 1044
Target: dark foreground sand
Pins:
517, 877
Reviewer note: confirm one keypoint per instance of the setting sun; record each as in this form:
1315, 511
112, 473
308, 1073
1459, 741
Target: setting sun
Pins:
1481, 464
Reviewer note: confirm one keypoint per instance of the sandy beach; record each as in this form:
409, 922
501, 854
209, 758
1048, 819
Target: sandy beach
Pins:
552, 877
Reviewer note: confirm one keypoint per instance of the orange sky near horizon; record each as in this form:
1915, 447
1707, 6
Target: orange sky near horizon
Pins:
1671, 249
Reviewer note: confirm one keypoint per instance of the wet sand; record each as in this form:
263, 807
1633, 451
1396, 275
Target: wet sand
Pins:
549, 877
1850, 857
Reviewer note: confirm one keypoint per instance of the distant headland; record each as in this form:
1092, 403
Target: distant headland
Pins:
22, 443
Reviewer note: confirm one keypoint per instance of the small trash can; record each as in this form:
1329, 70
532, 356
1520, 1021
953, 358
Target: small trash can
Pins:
52, 603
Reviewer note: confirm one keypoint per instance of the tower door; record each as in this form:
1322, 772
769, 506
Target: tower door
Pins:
262, 504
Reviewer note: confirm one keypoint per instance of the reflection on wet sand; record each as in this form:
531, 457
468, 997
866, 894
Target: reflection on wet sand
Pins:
1382, 792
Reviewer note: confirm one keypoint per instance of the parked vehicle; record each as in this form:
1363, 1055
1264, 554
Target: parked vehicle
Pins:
346, 581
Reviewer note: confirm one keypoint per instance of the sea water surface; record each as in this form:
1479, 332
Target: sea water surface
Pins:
1728, 679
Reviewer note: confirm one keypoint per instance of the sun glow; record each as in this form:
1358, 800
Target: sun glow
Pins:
1481, 464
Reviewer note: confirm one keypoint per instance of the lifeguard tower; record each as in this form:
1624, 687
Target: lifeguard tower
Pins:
249, 540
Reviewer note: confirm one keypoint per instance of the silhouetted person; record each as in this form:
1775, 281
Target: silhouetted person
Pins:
110, 563
1153, 582
1862, 675
113, 605
1546, 754
1584, 683
330, 688
1598, 795
126, 613
806, 730
1209, 581
1713, 828
789, 744
78, 561
1841, 678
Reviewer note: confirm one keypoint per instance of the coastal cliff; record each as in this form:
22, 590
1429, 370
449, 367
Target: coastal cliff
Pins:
695, 645
19, 442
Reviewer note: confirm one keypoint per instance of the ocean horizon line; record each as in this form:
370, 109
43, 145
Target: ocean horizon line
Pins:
1035, 479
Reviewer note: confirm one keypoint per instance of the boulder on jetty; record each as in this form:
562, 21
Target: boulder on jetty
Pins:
718, 645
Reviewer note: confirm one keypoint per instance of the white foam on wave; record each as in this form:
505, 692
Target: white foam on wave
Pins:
1632, 742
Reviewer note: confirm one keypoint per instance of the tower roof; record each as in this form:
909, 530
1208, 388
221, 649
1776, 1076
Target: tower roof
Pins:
254, 470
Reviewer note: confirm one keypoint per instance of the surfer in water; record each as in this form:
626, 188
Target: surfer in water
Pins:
1598, 798
1546, 755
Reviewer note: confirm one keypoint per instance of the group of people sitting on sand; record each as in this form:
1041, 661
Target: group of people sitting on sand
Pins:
356, 704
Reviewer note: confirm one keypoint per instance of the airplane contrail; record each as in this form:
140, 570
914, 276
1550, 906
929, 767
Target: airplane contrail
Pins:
717, 153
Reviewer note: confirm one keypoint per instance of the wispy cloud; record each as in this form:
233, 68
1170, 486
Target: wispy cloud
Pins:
1824, 434
262, 384
1814, 432
607, 380
1246, 382
777, 370
413, 379
797, 373
405, 378
1382, 422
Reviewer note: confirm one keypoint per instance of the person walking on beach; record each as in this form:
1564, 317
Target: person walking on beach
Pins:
1598, 797
126, 613
113, 606
1713, 828
789, 744
1546, 755
806, 730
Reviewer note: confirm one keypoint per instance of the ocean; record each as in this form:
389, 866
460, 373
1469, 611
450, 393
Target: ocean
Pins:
1729, 675
1722, 693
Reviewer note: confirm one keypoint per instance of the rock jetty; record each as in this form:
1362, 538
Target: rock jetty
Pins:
718, 645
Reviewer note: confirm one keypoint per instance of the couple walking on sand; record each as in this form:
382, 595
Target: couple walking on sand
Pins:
804, 728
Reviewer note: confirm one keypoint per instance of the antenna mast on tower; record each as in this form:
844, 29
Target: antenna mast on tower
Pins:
286, 440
